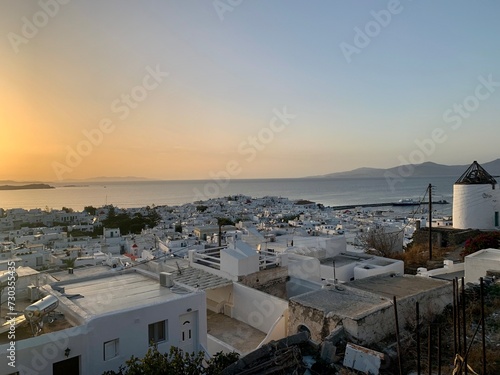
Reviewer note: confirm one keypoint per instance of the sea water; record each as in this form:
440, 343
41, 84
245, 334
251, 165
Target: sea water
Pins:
327, 191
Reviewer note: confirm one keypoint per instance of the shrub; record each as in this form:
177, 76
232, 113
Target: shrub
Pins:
175, 362
482, 241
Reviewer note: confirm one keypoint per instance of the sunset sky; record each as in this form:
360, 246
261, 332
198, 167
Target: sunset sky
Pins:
256, 88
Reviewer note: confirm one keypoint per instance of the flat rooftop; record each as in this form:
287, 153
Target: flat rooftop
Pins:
486, 254
396, 285
344, 259
342, 301
84, 271
241, 336
449, 276
359, 297
24, 271
116, 291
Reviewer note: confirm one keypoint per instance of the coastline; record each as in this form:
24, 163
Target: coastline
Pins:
26, 187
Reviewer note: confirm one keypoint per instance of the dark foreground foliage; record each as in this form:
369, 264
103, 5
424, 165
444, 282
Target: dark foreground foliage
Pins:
175, 362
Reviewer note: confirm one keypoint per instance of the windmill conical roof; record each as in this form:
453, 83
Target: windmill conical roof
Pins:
475, 175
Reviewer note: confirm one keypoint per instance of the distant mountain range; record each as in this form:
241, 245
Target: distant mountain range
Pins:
7, 182
427, 169
108, 179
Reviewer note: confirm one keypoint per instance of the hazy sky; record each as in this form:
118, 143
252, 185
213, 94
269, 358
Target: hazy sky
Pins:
253, 88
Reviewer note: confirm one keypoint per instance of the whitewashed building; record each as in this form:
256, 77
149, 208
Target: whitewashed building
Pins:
101, 320
479, 263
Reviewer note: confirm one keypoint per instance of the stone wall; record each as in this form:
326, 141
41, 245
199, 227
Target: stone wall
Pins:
443, 237
264, 278
378, 324
313, 319
373, 324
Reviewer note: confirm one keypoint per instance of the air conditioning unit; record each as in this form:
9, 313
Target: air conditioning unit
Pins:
33, 293
166, 279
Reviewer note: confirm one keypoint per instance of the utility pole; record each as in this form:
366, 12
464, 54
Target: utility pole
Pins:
430, 221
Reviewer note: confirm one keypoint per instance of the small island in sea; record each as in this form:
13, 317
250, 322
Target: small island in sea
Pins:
26, 187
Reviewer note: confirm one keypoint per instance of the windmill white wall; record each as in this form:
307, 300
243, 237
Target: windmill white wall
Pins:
475, 206
476, 200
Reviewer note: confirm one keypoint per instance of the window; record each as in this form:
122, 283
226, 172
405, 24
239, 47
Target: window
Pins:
110, 349
157, 332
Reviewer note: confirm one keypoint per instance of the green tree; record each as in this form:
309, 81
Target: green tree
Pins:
111, 212
69, 263
90, 209
131, 224
153, 217
175, 362
219, 362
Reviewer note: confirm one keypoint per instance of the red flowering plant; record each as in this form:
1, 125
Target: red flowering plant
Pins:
486, 240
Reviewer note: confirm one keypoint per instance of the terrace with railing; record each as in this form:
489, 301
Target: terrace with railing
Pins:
268, 259
208, 257
253, 259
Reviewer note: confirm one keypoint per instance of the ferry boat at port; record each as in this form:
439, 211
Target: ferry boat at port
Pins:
412, 202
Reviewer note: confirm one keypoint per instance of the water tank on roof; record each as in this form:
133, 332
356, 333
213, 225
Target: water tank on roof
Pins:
40, 308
